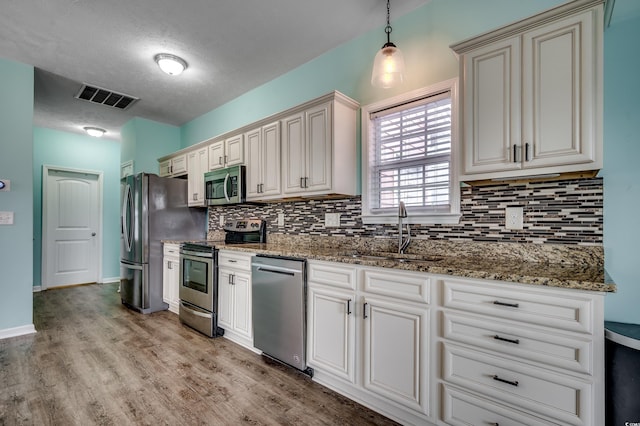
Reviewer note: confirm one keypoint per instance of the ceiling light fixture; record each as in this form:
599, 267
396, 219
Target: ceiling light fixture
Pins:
171, 64
96, 132
388, 65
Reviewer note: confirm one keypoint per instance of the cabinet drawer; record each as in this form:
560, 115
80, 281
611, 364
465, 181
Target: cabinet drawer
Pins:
463, 409
171, 250
520, 385
547, 307
235, 260
511, 338
332, 274
402, 285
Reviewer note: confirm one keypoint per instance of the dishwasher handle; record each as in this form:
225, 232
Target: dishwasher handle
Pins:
274, 270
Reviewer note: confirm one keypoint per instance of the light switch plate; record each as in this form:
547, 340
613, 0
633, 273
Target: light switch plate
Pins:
6, 218
332, 220
280, 219
221, 220
513, 218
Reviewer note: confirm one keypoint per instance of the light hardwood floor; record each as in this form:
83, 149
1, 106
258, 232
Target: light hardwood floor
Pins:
93, 361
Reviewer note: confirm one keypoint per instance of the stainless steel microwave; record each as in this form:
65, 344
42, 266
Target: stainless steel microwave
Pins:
225, 186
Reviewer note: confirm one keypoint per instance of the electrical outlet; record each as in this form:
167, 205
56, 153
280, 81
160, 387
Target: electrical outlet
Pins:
221, 220
332, 220
513, 217
280, 219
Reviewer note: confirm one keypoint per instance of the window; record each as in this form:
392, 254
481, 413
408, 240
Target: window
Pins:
408, 155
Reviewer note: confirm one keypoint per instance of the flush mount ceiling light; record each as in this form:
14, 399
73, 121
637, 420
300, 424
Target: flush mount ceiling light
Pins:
96, 132
388, 65
171, 64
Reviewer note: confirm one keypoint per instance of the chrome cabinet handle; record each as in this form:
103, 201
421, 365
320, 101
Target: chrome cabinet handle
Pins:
510, 305
349, 307
526, 151
220, 160
504, 339
169, 265
509, 382
225, 159
301, 182
364, 311
306, 182
515, 153
232, 261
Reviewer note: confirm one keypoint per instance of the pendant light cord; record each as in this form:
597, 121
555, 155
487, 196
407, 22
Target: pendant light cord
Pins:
388, 29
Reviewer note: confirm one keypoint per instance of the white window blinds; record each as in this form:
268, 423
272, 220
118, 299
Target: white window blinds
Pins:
410, 156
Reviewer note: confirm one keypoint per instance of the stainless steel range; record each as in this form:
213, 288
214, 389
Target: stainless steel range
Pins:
199, 274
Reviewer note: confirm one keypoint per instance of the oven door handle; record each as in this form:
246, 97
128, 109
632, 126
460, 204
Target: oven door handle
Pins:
194, 312
226, 194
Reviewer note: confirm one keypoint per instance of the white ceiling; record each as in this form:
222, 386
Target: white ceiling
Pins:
231, 47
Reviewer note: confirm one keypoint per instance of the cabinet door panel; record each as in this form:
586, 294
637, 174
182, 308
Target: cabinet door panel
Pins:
242, 305
331, 332
254, 166
216, 156
293, 145
225, 299
558, 93
395, 352
234, 150
492, 107
271, 159
319, 148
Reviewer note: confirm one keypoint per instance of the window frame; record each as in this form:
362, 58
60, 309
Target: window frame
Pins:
416, 215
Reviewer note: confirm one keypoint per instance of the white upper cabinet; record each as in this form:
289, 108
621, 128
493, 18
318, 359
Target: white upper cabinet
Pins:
174, 166
227, 152
263, 162
319, 149
532, 95
197, 162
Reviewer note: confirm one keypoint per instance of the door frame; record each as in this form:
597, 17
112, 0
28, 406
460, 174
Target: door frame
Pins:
44, 256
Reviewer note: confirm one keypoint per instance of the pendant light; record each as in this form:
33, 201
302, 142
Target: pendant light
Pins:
388, 65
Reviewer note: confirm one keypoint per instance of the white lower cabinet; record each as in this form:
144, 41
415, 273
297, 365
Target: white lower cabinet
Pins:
428, 349
395, 351
520, 354
369, 345
171, 276
234, 296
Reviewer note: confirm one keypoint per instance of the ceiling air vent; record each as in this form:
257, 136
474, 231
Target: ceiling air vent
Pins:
109, 98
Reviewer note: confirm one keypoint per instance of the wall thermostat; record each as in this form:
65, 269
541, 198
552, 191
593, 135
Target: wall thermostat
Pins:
5, 185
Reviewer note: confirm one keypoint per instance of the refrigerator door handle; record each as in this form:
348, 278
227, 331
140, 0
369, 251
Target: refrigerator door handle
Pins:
226, 194
131, 266
127, 207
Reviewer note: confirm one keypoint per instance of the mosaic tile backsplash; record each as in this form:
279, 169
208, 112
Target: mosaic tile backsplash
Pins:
555, 212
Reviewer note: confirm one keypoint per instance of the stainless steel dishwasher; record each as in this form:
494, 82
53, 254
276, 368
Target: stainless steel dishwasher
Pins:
279, 309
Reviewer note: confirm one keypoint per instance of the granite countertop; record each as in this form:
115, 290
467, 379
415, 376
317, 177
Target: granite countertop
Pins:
572, 268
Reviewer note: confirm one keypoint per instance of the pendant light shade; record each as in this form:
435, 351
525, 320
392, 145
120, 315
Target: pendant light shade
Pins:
388, 65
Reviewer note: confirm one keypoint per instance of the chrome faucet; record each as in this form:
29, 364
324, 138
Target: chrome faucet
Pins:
402, 243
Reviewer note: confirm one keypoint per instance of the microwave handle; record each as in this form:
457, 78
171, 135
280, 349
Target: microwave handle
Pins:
226, 194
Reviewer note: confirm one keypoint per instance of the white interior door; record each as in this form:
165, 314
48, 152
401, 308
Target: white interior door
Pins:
71, 224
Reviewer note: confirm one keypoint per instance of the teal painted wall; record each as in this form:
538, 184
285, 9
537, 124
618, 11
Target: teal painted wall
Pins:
621, 168
75, 151
16, 163
144, 141
423, 35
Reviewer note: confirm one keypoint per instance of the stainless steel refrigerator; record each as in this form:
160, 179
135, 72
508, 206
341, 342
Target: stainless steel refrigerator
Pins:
153, 209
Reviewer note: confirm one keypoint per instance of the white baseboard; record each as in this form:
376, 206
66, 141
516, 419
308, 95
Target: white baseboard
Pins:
17, 331
109, 280
37, 288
